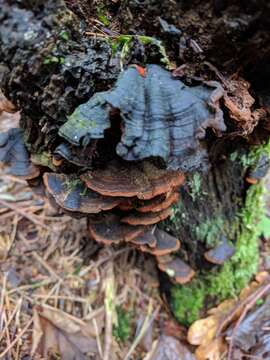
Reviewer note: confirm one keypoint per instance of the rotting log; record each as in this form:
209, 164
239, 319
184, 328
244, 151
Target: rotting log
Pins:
50, 62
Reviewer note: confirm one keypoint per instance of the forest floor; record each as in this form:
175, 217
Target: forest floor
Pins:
63, 295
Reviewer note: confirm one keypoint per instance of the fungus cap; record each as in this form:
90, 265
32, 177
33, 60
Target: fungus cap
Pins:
71, 194
14, 154
161, 116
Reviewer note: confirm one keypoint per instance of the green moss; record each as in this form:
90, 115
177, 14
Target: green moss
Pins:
102, 14
209, 288
103, 18
178, 216
43, 159
194, 185
51, 59
123, 44
122, 330
64, 35
209, 231
72, 184
264, 226
187, 301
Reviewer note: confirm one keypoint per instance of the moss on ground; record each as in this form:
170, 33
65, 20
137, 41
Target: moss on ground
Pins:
122, 330
208, 288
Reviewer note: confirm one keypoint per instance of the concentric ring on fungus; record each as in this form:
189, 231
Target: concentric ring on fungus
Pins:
161, 117
143, 180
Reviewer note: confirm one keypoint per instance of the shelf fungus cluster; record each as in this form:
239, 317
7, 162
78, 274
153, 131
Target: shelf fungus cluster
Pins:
123, 203
120, 159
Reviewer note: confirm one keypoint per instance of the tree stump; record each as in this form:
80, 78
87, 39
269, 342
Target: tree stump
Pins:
55, 55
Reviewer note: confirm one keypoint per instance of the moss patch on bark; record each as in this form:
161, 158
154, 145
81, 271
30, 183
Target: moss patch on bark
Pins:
211, 287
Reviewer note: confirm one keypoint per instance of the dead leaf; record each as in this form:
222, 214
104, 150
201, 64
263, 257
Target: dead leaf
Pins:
239, 102
213, 350
56, 332
250, 331
5, 104
168, 348
202, 331
206, 333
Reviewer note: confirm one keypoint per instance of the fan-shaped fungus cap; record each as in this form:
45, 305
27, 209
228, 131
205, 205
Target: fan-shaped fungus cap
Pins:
150, 218
75, 155
220, 253
107, 229
14, 154
177, 269
158, 203
165, 244
162, 117
71, 194
143, 180
148, 238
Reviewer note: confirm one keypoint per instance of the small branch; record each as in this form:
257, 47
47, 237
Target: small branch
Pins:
24, 214
17, 338
147, 322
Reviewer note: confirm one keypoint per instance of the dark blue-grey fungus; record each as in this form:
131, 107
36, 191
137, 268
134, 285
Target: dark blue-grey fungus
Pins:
162, 117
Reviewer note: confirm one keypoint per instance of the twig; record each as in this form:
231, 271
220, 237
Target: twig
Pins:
6, 332
13, 235
94, 321
248, 306
84, 271
147, 322
109, 310
24, 214
20, 289
10, 318
60, 297
17, 338
46, 266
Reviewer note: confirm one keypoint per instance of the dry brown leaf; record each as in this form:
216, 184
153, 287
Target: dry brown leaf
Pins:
56, 332
213, 350
5, 104
202, 331
239, 102
169, 348
205, 332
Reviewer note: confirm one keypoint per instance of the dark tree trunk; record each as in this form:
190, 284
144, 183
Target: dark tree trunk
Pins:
50, 62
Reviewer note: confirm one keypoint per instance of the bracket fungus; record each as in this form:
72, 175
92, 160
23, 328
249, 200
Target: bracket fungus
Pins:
150, 218
221, 253
120, 159
165, 243
160, 117
81, 157
143, 180
159, 203
71, 194
108, 229
176, 269
14, 154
